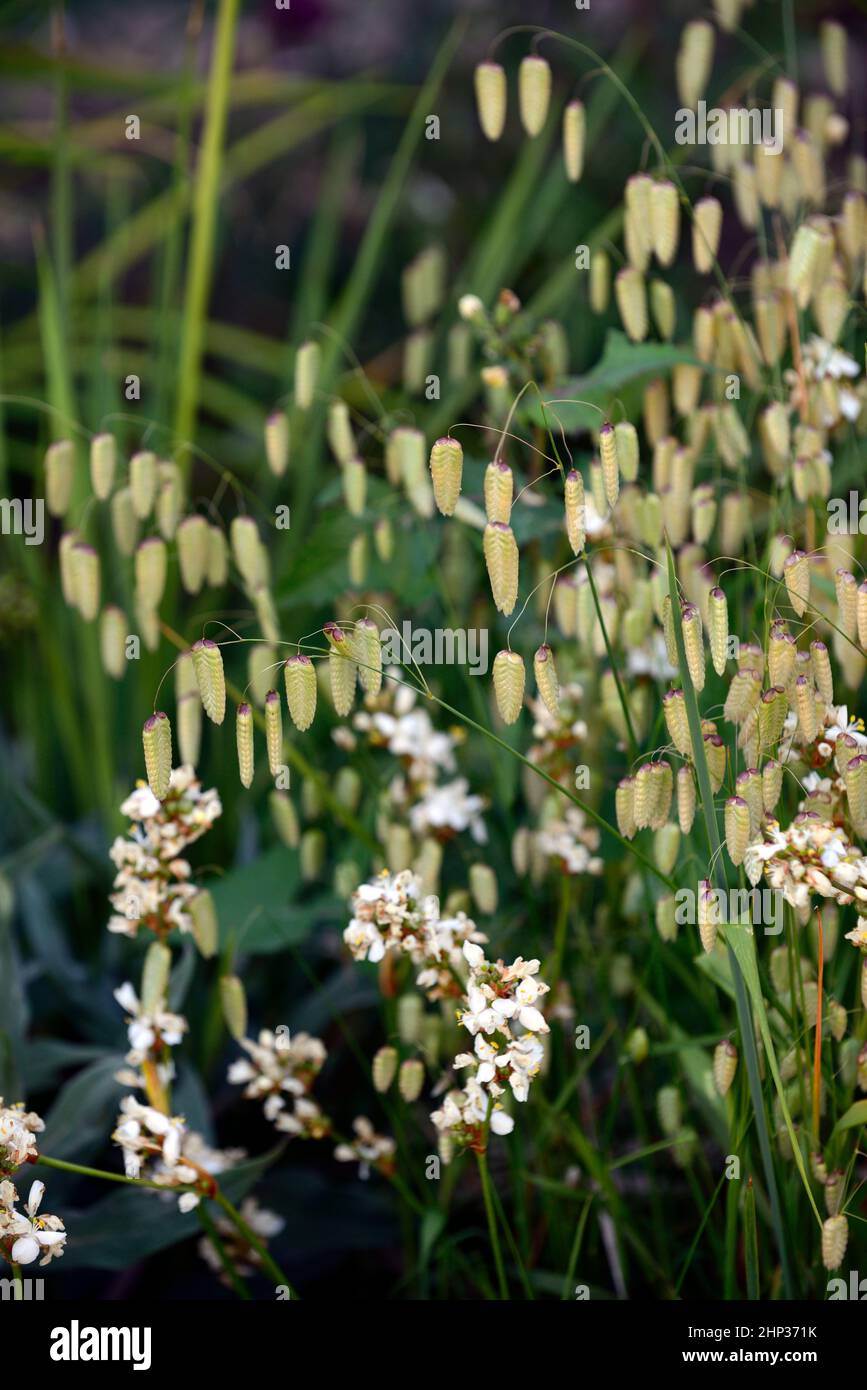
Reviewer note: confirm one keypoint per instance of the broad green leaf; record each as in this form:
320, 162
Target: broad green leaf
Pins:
622, 364
855, 1116
130, 1224
742, 942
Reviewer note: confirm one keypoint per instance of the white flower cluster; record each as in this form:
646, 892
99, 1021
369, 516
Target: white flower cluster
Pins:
822, 362
393, 721
571, 842
149, 1035
277, 1069
503, 1017
17, 1130
368, 1149
391, 913
153, 884
815, 856
263, 1223
812, 856
163, 1150
25, 1235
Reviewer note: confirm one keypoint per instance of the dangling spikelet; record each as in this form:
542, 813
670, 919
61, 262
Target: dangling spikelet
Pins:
410, 1079
300, 677
112, 641
743, 695
796, 573
248, 551
655, 410
597, 488
676, 720
192, 541
845, 749
781, 657
820, 665
665, 221
835, 1186
234, 1004
694, 60
707, 915
694, 646
103, 459
341, 668
143, 482
285, 818
124, 522
509, 685
341, 439
718, 628
244, 740
835, 1237
666, 845
834, 56
368, 650
861, 614
576, 514
600, 281
384, 1068
157, 743
534, 93
855, 775
626, 437
804, 257
218, 558
805, 706
355, 486
490, 84
383, 539
725, 1064
642, 805
357, 561
86, 580
446, 466
573, 140
685, 799
150, 572
715, 753
847, 601
610, 470
661, 791
624, 806
274, 731
748, 785
772, 785
663, 307
737, 828
706, 229
546, 678
501, 557
306, 374
499, 487
208, 665
637, 230
59, 473
631, 295
772, 710
189, 714
277, 442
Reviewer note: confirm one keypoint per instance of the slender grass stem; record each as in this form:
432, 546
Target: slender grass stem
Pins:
206, 203
485, 1179
269, 1264
223, 1255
